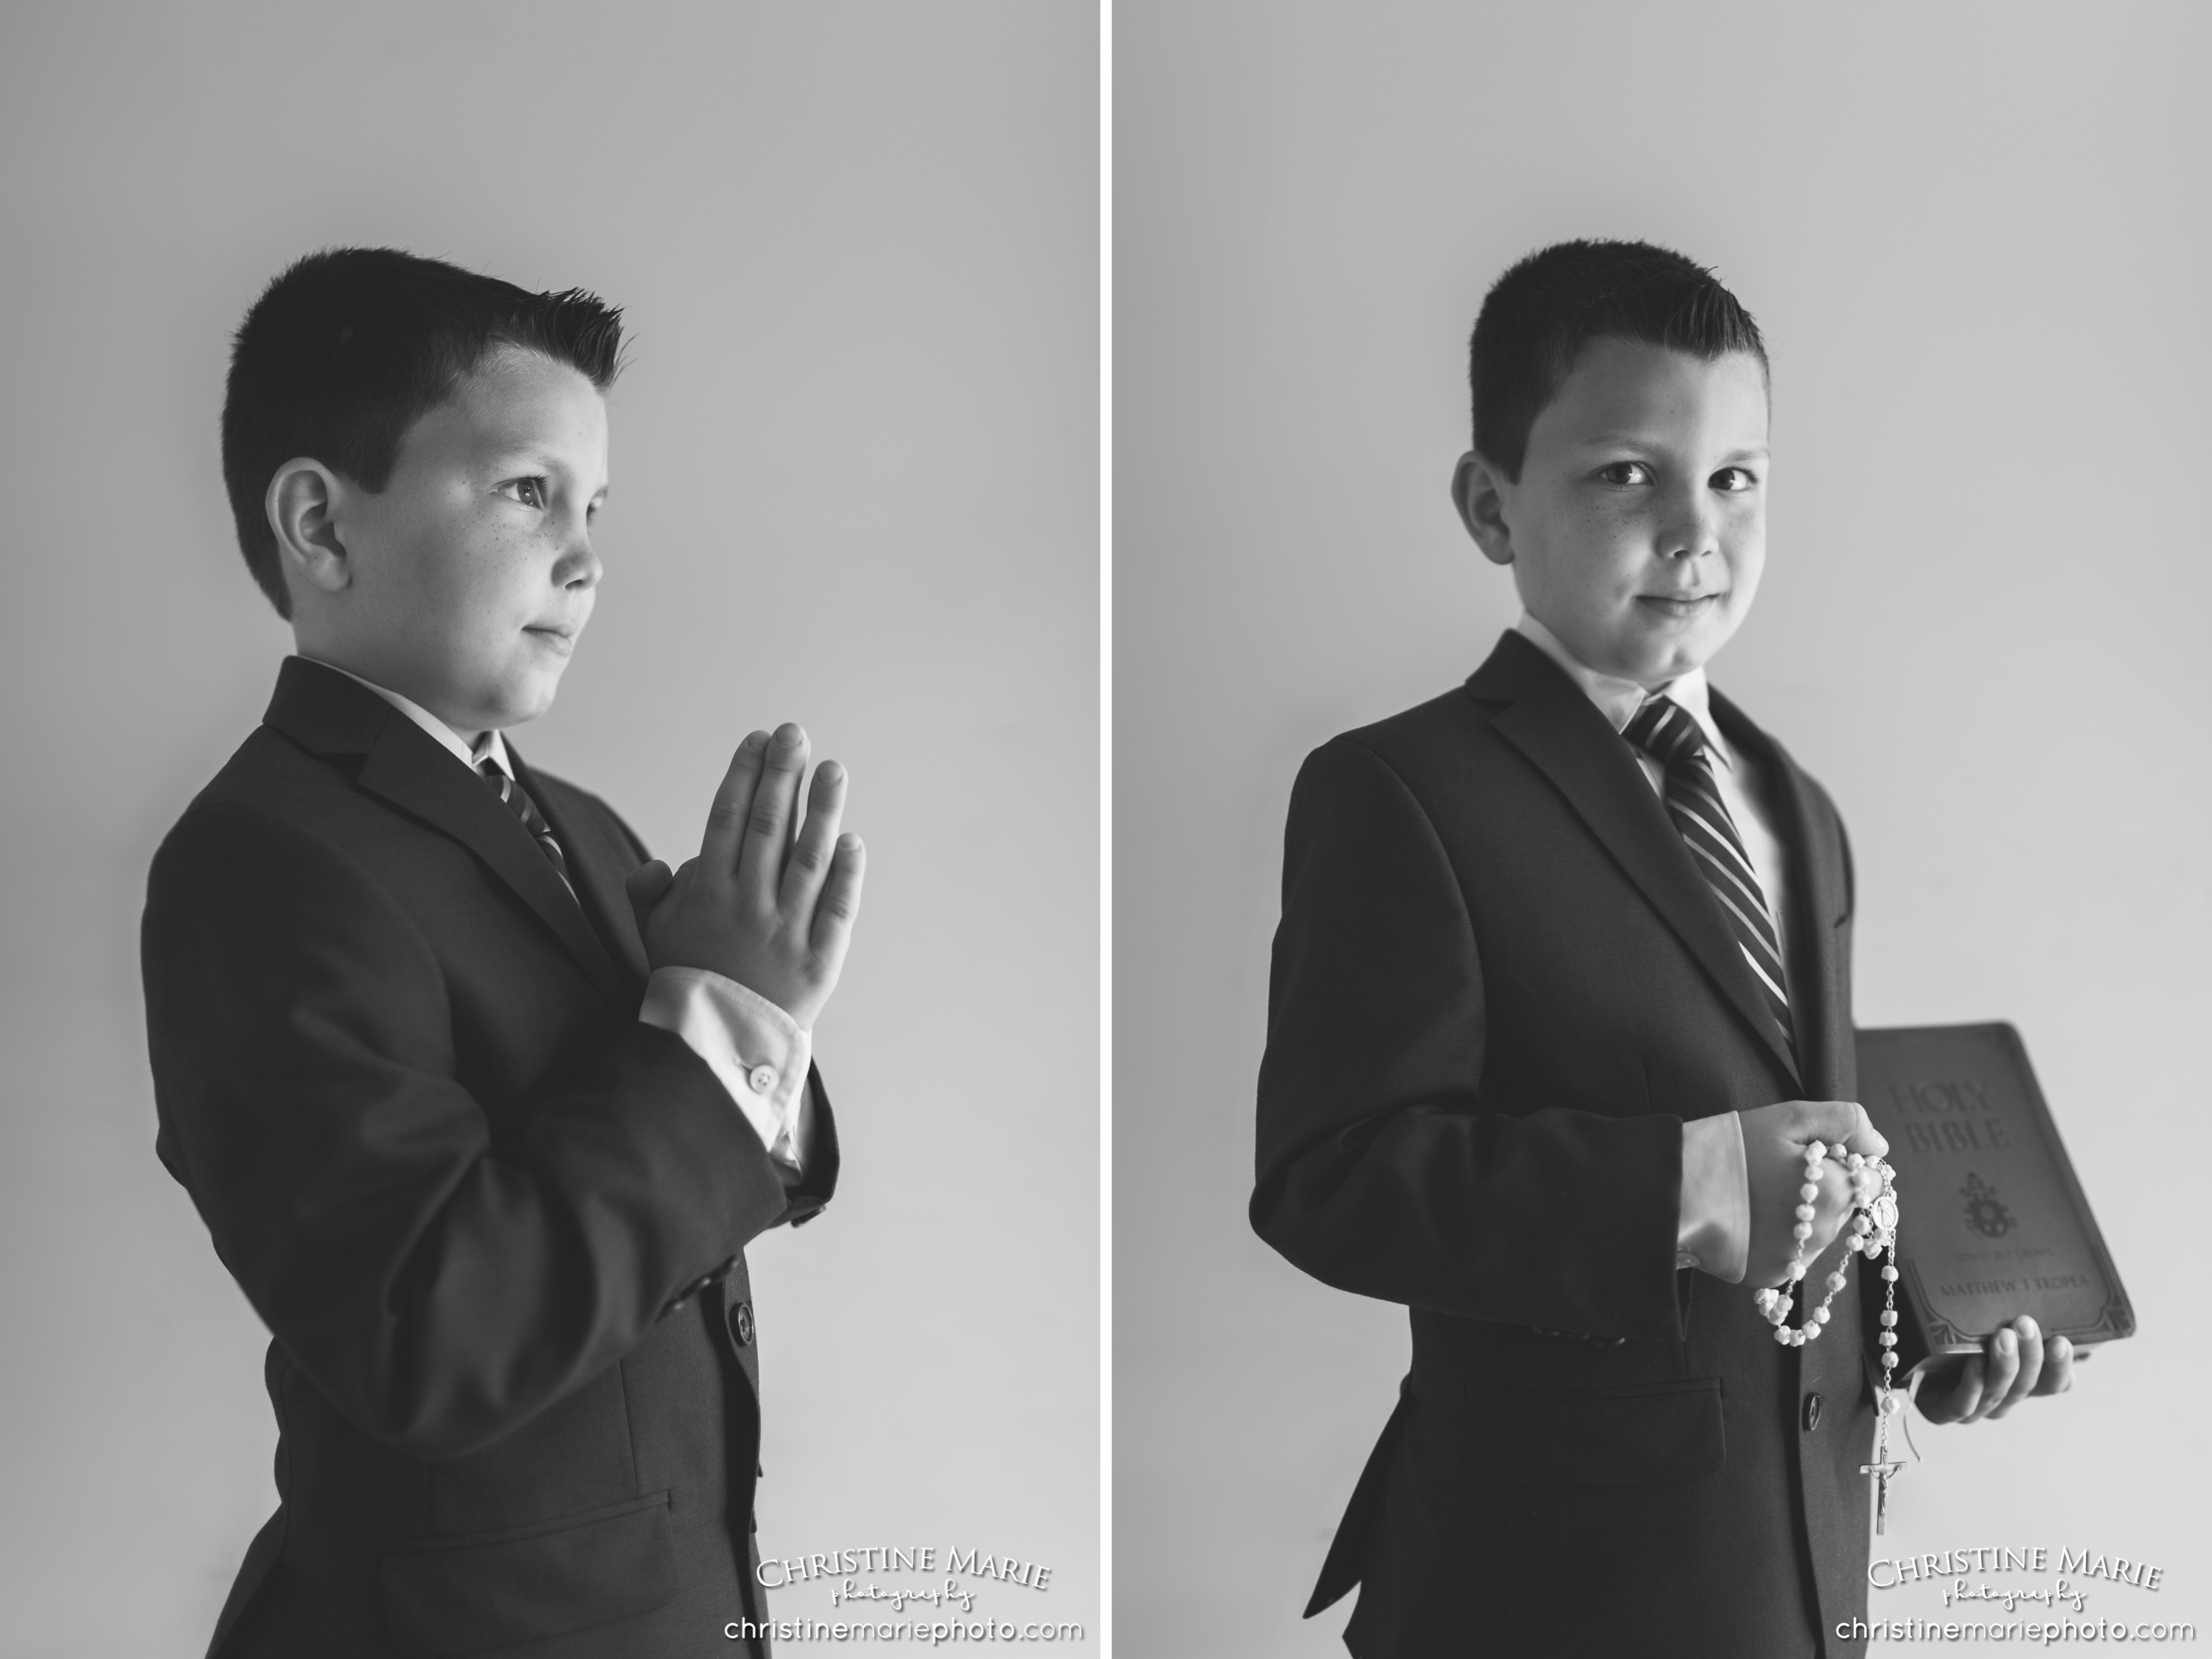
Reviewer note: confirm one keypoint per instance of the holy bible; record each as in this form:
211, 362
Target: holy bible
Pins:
1992, 1223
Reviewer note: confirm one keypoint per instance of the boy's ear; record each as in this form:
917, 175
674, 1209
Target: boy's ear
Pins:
302, 505
1481, 507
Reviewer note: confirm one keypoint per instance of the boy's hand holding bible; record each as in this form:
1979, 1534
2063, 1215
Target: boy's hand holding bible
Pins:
2015, 1361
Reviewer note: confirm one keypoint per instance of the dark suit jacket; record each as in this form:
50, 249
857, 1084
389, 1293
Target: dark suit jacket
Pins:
494, 1223
1500, 987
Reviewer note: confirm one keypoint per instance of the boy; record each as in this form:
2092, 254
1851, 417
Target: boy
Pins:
479, 1105
1561, 993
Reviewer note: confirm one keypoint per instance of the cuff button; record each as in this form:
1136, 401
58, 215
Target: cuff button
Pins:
762, 1078
741, 1324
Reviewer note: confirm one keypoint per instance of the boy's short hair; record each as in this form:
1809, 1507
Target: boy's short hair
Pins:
1538, 317
351, 346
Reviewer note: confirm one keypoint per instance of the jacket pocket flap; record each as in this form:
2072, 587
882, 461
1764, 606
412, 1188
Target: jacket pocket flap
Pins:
1646, 1434
452, 1595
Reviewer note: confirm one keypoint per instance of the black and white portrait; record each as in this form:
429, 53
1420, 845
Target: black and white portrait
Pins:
500, 1153
1419, 972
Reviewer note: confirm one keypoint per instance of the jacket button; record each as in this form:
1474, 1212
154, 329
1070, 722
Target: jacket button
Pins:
1811, 1413
741, 1324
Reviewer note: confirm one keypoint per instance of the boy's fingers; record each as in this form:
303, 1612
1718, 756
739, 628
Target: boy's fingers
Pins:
839, 902
645, 886
1850, 1125
811, 853
768, 826
1966, 1395
1999, 1365
1834, 1206
2029, 1336
2058, 1367
733, 804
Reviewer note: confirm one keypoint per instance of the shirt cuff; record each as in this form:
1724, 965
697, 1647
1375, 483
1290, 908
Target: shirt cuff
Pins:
755, 1049
1714, 1232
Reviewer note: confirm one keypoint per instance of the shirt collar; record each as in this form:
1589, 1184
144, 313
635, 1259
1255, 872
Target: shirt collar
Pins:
1618, 700
491, 746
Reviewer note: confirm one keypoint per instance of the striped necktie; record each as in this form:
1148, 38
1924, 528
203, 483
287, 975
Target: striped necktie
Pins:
518, 802
1663, 729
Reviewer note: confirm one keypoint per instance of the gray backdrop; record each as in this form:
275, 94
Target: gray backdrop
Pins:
854, 465
1975, 237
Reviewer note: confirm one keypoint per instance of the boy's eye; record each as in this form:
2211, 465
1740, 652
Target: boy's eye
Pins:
1733, 479
1626, 472
531, 492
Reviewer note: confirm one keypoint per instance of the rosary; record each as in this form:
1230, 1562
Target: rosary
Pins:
1873, 1230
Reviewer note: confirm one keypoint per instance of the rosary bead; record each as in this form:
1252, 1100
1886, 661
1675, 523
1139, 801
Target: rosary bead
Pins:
1809, 1191
1888, 1360
1837, 1280
1814, 1151
1889, 1317
1809, 1332
1804, 1212
1802, 1231
1857, 1161
1796, 1270
1861, 1224
1887, 1338
1890, 1274
1821, 1315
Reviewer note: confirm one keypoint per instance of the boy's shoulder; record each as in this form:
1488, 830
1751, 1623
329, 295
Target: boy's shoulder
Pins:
1453, 723
1430, 760
1448, 735
269, 786
1444, 720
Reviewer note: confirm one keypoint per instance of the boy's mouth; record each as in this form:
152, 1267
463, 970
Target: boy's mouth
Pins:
562, 639
1681, 604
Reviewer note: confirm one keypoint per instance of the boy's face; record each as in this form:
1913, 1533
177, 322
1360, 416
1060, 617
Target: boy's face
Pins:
470, 574
1637, 530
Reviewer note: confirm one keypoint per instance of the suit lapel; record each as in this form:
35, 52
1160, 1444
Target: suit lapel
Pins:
597, 871
1549, 720
1817, 867
326, 713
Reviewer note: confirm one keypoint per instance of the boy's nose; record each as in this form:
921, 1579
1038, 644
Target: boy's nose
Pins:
580, 566
1691, 529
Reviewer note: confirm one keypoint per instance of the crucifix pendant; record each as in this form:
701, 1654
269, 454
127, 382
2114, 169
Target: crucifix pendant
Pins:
1882, 1471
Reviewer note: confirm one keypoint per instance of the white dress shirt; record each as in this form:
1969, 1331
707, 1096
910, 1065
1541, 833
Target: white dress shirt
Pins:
756, 1051
1713, 1231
